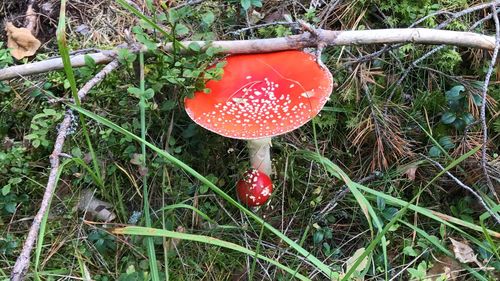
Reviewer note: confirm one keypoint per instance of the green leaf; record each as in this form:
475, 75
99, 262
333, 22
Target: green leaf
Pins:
478, 100
89, 61
468, 118
6, 189
208, 18
318, 237
135, 91
448, 117
454, 93
10, 207
257, 3
36, 143
194, 46
181, 29
380, 203
245, 4
15, 180
446, 142
434, 151
409, 251
30, 136
149, 93
125, 56
203, 189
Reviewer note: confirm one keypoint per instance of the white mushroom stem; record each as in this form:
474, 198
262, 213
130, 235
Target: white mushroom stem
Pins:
260, 154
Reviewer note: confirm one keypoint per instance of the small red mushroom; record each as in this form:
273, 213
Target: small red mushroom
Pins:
261, 96
255, 188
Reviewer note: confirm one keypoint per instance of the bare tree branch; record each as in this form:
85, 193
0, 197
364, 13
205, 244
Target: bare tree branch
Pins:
22, 262
484, 160
326, 37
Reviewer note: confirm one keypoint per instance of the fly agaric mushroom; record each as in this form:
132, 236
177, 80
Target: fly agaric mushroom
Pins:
261, 96
255, 188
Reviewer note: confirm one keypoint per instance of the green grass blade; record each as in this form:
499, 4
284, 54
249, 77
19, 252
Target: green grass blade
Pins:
145, 231
68, 69
147, 215
315, 261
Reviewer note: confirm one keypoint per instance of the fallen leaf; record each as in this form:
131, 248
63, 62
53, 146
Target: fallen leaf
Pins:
21, 41
96, 208
463, 252
350, 262
410, 172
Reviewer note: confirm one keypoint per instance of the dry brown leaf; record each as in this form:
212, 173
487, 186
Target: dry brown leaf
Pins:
410, 172
463, 252
21, 41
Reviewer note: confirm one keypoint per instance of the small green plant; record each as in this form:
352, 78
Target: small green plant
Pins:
102, 241
247, 4
41, 126
457, 113
8, 245
461, 208
418, 273
5, 60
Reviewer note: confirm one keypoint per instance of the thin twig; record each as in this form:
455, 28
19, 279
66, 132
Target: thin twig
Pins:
22, 262
484, 160
463, 185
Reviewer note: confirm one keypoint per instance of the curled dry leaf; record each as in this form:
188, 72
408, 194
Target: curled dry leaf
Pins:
410, 172
94, 207
21, 41
463, 252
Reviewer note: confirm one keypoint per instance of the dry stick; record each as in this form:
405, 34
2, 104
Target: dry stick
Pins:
463, 185
22, 262
328, 37
484, 126
440, 26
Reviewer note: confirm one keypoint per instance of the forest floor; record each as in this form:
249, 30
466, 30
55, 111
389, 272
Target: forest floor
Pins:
388, 182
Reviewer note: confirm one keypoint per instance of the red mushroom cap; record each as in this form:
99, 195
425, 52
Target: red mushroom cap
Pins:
262, 95
255, 188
